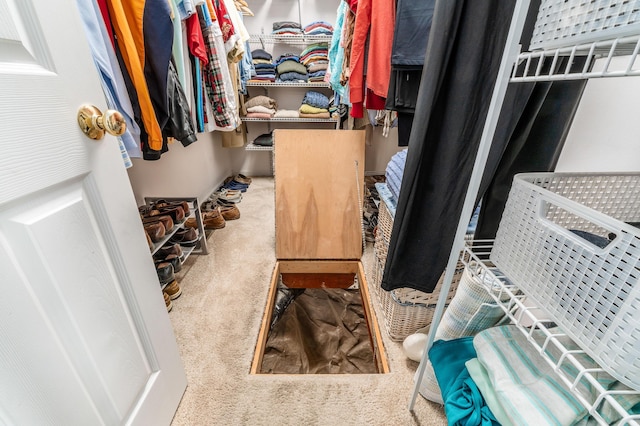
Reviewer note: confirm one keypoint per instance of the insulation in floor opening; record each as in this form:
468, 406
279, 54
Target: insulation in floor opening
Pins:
319, 331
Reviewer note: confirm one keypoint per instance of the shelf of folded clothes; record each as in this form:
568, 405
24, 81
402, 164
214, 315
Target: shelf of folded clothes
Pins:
286, 84
532, 372
289, 38
293, 120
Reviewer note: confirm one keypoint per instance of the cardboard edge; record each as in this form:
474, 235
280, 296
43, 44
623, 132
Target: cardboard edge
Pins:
374, 327
264, 325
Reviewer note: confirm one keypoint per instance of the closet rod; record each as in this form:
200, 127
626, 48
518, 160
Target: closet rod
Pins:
511, 51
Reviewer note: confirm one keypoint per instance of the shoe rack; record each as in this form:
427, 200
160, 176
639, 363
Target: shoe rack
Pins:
194, 206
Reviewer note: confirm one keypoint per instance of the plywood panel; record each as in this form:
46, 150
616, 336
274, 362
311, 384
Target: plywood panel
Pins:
319, 177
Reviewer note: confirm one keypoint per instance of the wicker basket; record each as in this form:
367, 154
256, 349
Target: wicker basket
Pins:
407, 310
383, 234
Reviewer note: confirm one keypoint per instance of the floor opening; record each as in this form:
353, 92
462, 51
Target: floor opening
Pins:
318, 323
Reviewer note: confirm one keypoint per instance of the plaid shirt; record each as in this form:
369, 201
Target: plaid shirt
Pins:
212, 74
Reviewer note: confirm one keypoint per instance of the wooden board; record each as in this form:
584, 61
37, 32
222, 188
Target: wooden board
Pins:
319, 181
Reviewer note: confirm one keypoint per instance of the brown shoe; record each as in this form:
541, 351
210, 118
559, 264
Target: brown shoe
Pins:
155, 230
191, 223
176, 213
173, 290
165, 219
166, 250
213, 219
230, 212
151, 246
185, 237
160, 204
167, 301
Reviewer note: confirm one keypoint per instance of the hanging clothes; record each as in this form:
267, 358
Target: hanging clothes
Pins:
410, 37
213, 77
145, 39
178, 43
462, 60
375, 18
113, 83
336, 52
127, 20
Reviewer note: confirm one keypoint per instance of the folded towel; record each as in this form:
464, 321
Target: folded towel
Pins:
320, 115
258, 115
463, 402
526, 386
264, 101
262, 109
471, 310
286, 113
481, 379
308, 109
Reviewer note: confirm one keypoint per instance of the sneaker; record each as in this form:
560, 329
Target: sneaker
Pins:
173, 290
167, 301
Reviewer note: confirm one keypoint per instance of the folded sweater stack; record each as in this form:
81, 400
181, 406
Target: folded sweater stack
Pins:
315, 59
289, 69
314, 105
265, 69
318, 28
287, 28
261, 107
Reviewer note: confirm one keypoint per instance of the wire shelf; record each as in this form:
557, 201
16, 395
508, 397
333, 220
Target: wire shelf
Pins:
292, 120
559, 64
289, 39
532, 321
291, 84
251, 147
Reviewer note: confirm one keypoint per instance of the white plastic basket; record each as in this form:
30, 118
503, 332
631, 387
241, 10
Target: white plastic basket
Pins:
592, 292
562, 23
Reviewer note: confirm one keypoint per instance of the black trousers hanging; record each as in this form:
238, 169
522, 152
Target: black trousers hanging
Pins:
463, 56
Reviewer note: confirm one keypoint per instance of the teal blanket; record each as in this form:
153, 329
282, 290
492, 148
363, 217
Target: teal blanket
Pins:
463, 402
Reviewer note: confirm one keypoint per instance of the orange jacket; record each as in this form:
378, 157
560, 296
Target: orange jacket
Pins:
126, 18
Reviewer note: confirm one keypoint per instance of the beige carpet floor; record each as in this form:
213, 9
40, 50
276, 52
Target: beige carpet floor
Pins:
217, 320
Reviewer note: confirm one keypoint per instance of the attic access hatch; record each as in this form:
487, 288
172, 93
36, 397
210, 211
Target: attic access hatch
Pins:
319, 317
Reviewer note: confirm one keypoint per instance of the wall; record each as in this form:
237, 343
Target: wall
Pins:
183, 171
605, 134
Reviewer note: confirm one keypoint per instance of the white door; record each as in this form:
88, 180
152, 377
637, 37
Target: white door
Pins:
85, 338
